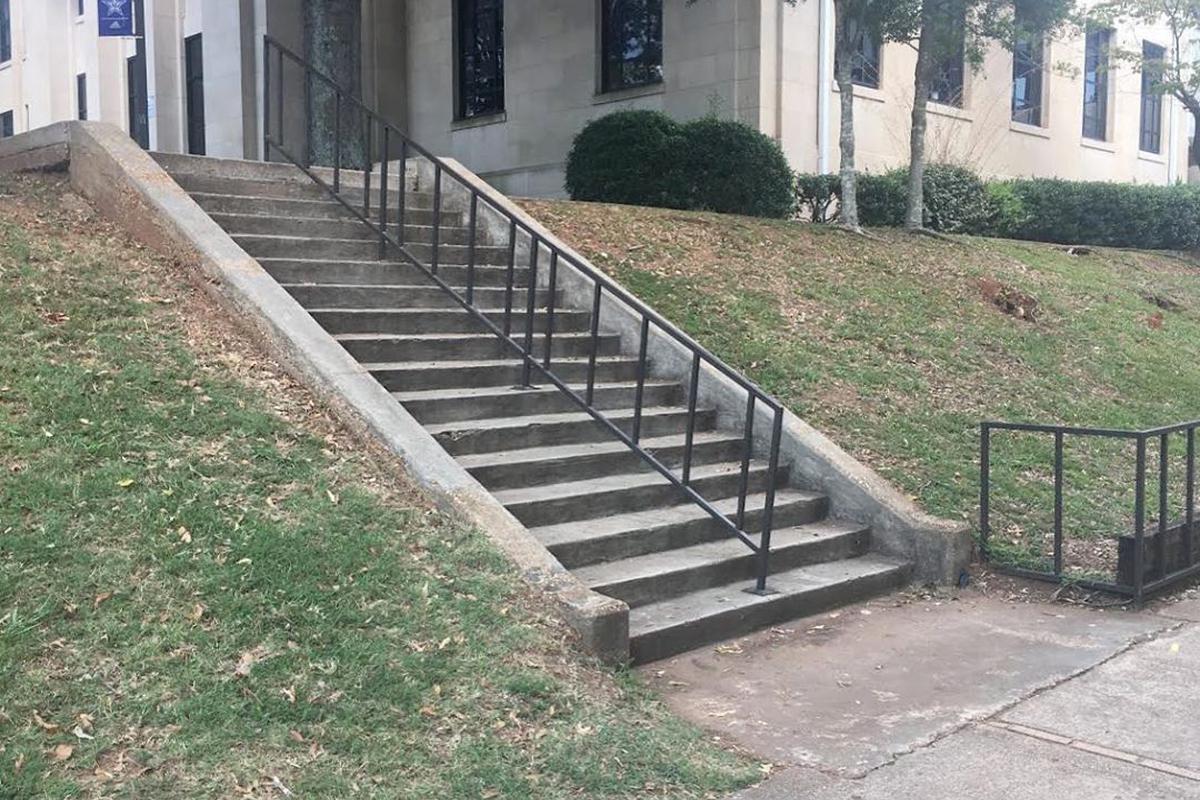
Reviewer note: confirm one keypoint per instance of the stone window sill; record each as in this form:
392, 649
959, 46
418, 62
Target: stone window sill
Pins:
481, 121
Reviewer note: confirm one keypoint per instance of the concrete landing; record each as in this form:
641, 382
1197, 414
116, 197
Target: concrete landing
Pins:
973, 696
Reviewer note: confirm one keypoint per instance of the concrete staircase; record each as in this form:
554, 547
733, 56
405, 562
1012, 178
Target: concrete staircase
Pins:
619, 526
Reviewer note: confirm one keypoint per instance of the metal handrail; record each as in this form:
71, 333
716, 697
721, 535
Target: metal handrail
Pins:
524, 347
1139, 586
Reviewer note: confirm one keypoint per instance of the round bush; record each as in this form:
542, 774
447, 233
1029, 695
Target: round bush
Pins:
882, 198
626, 157
731, 168
956, 200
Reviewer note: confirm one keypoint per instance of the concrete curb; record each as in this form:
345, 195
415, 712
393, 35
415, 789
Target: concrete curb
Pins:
938, 549
127, 185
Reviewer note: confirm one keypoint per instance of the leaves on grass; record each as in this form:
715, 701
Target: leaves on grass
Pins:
61, 752
247, 660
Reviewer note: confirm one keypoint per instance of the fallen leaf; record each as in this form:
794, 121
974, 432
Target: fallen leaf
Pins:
48, 727
296, 736
62, 752
333, 498
19, 764
125, 483
185, 535
80, 733
197, 612
100, 598
289, 693
248, 659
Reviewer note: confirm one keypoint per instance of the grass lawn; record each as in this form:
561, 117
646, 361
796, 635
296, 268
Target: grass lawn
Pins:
207, 589
892, 346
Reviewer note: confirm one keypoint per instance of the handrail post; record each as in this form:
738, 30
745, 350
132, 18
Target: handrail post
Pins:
747, 450
640, 392
472, 223
402, 203
367, 158
383, 197
337, 142
530, 306
1163, 510
1058, 503
690, 435
266, 151
595, 342
985, 492
768, 518
437, 216
1190, 509
1139, 523
552, 286
508, 282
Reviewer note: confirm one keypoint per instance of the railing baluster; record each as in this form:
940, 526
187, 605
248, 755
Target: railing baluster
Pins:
747, 449
768, 517
367, 158
508, 284
985, 488
402, 203
530, 307
337, 142
383, 195
266, 151
279, 92
1058, 503
1190, 510
640, 392
553, 285
437, 214
689, 437
308, 122
1163, 509
471, 223
595, 340
1139, 523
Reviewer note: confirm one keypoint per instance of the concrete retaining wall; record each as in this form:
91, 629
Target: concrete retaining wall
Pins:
128, 186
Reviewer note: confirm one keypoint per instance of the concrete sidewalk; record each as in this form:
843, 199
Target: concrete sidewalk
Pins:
973, 696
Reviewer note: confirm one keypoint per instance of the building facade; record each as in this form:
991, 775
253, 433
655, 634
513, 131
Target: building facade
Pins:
505, 86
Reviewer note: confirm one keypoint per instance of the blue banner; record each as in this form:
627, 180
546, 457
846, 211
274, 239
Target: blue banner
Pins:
116, 17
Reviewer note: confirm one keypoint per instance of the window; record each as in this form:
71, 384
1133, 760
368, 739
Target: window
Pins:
1152, 99
1095, 84
79, 7
631, 44
480, 48
6, 124
81, 96
193, 67
947, 84
5, 32
1029, 54
865, 69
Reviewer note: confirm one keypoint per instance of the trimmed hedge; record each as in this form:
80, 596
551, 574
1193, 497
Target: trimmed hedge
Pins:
1037, 209
646, 158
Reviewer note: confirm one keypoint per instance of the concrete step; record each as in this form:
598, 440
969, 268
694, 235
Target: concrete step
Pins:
628, 534
309, 208
530, 466
662, 629
415, 376
344, 228
215, 183
378, 296
442, 406
633, 491
318, 270
358, 249
467, 346
532, 430
438, 320
654, 577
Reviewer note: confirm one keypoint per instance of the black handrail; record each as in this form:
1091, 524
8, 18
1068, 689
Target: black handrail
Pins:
273, 140
1138, 586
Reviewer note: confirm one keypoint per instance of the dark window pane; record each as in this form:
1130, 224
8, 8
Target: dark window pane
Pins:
81, 96
631, 43
865, 70
947, 84
1151, 128
193, 61
1028, 71
5, 31
480, 48
1095, 84
6, 124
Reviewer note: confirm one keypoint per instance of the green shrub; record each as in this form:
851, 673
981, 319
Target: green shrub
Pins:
627, 157
646, 158
817, 194
956, 200
732, 168
1006, 211
882, 199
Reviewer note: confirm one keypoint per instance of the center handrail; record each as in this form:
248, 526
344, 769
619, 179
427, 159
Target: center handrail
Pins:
273, 139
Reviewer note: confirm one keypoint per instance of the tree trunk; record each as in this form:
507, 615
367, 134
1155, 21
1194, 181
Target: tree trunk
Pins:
332, 44
846, 31
915, 218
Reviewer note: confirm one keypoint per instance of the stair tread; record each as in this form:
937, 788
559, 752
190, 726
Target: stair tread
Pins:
517, 291
469, 336
530, 455
683, 609
524, 420
698, 555
600, 527
348, 219
500, 391
616, 481
485, 362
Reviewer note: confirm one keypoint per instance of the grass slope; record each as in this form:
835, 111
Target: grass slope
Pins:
207, 590
890, 346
